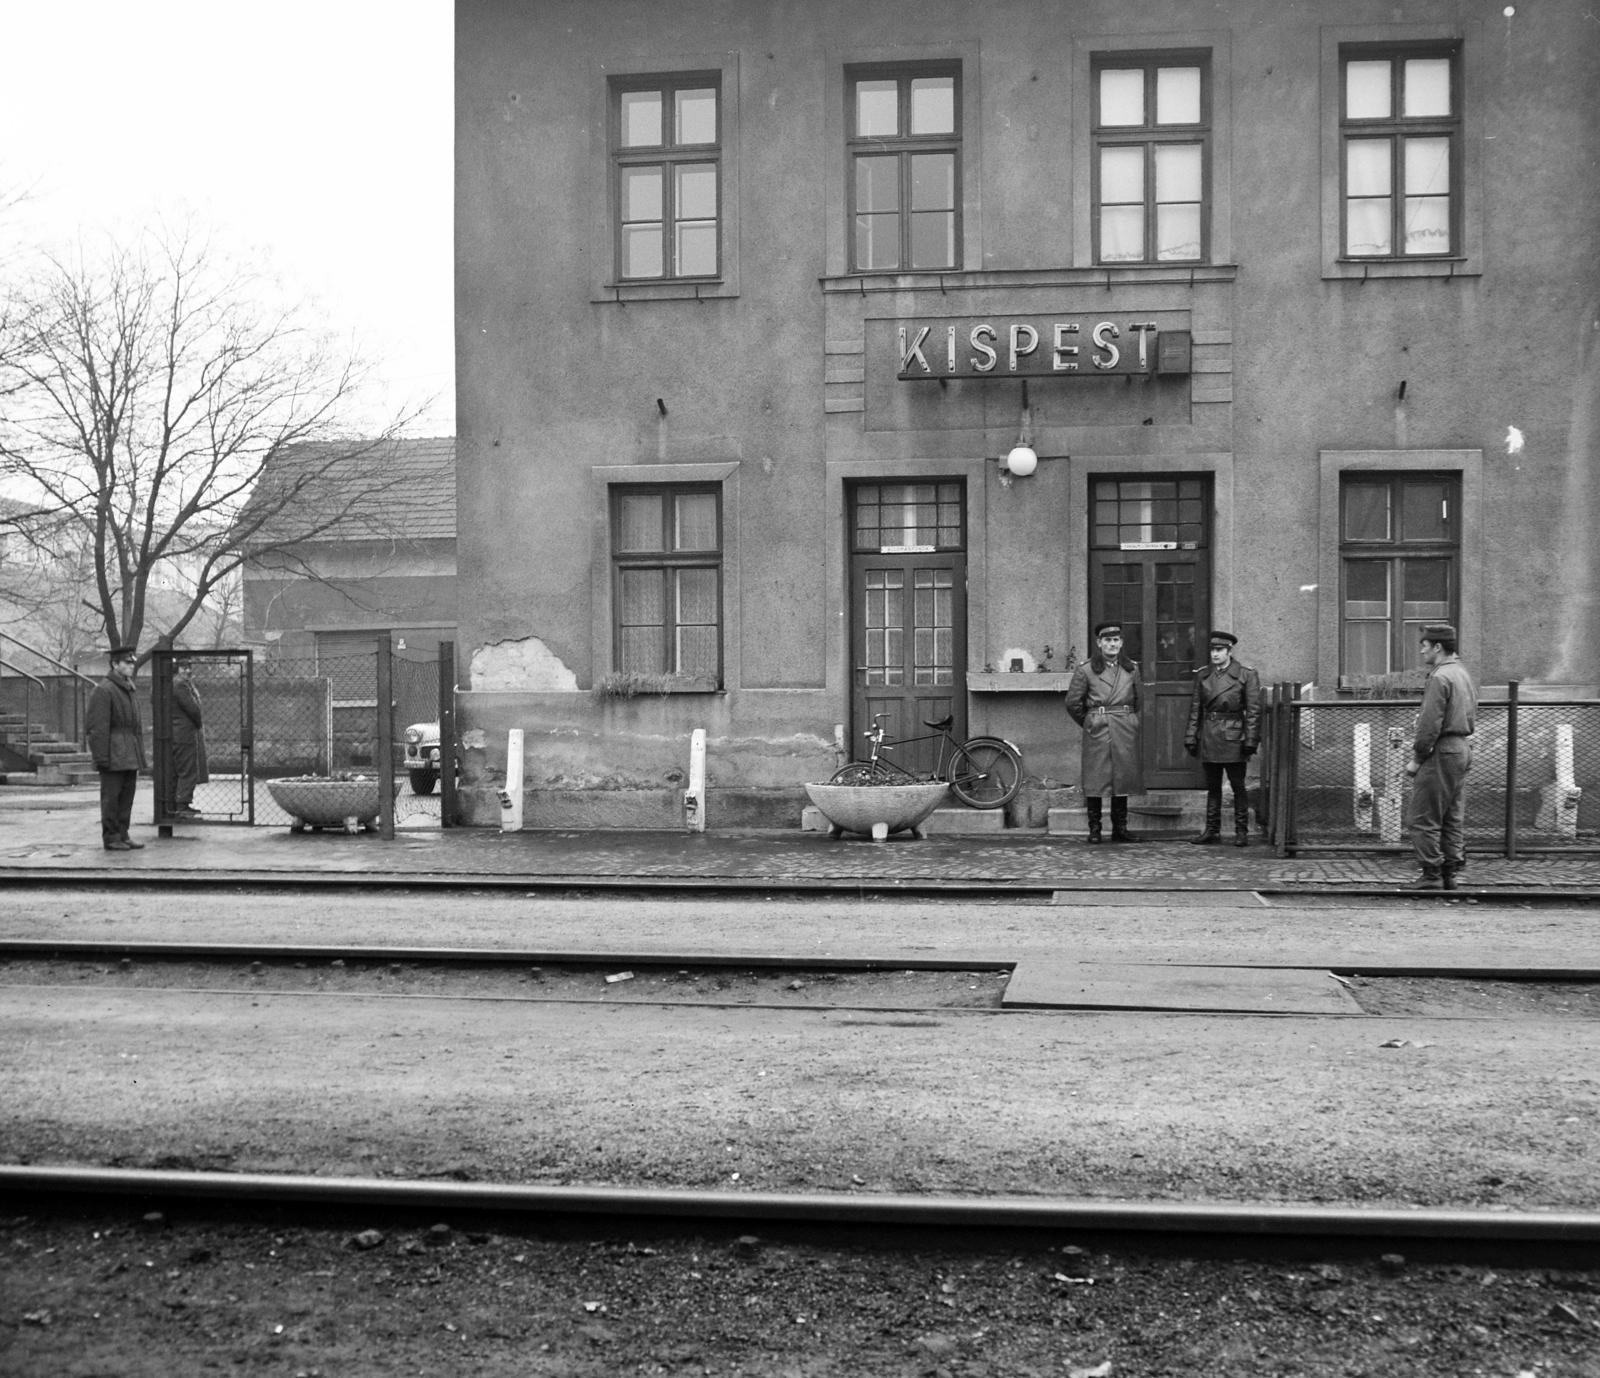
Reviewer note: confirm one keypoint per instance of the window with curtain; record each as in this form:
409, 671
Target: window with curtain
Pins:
1400, 131
1400, 557
904, 135
666, 547
1150, 173
667, 161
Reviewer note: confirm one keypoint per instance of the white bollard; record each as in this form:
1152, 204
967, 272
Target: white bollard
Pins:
511, 795
1390, 812
1559, 800
1363, 762
694, 798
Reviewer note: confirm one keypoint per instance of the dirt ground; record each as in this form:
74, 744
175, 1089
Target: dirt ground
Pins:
112, 1295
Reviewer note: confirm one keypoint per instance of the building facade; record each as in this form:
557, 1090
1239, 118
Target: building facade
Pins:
1293, 312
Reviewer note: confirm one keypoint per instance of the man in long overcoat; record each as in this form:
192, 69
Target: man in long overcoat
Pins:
188, 740
1441, 756
116, 743
1224, 731
1103, 699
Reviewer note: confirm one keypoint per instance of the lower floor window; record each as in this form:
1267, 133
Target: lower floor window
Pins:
667, 603
1399, 567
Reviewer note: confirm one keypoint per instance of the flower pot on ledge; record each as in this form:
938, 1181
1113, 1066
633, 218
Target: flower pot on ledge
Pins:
878, 810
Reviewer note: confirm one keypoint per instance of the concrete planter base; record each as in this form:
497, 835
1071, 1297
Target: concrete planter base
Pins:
877, 810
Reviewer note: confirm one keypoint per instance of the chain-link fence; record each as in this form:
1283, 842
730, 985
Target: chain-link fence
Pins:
1334, 776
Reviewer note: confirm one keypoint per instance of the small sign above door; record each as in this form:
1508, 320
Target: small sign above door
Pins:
906, 549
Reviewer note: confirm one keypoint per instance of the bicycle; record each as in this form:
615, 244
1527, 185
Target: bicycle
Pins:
982, 772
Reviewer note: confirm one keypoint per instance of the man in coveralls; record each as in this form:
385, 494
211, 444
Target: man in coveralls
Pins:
1441, 758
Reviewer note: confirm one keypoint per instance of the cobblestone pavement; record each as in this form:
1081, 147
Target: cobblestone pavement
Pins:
58, 831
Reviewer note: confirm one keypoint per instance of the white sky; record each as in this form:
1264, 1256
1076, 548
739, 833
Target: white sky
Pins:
317, 132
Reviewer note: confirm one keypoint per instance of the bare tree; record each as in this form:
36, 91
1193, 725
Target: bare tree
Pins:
147, 400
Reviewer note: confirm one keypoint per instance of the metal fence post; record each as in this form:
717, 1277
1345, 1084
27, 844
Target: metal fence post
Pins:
1512, 687
385, 743
447, 734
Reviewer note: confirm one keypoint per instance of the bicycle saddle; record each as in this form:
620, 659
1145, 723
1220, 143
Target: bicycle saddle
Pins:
942, 725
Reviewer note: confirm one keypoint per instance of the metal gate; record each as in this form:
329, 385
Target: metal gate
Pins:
203, 738
1333, 774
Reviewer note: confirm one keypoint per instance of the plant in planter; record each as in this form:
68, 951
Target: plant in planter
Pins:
344, 800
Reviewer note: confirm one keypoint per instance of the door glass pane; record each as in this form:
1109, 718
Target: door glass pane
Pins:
1366, 512
877, 109
641, 119
1366, 90
696, 521
933, 105
640, 523
1427, 86
697, 116
1177, 95
1122, 96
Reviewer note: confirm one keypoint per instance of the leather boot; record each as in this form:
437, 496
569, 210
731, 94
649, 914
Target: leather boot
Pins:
1430, 879
1213, 823
1093, 805
1119, 819
1447, 876
1241, 820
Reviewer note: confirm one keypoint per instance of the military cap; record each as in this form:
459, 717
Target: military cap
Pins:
1438, 631
118, 652
1108, 629
1227, 639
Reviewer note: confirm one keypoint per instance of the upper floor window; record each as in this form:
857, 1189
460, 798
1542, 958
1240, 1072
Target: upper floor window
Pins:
667, 155
666, 545
904, 140
1152, 131
1400, 126
1400, 556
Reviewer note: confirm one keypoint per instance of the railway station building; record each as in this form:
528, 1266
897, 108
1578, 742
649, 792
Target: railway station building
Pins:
825, 360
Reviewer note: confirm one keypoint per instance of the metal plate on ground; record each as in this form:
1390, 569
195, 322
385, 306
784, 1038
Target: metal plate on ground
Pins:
1159, 899
1043, 983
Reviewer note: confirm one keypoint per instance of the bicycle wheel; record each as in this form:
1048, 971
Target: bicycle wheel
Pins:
986, 773
862, 773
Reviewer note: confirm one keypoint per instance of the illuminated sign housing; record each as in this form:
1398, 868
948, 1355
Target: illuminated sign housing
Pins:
1038, 347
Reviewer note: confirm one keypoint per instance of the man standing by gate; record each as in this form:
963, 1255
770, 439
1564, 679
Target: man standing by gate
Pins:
1441, 757
116, 742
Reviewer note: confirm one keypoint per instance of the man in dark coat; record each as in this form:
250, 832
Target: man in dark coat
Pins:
1103, 699
116, 742
188, 740
1224, 731
1441, 756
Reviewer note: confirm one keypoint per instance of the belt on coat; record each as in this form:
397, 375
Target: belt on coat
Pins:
1114, 708
1230, 717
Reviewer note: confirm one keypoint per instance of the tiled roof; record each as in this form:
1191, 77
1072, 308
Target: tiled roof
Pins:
398, 488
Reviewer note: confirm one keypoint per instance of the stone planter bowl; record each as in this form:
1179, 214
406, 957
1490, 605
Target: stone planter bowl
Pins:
315, 802
877, 810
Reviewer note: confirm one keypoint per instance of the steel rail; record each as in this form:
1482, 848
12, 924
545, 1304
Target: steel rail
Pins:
931, 887
863, 1208
86, 948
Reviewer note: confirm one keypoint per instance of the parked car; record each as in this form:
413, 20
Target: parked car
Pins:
422, 756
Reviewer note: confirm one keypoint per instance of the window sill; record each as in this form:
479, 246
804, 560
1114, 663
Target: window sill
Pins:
1366, 270
621, 293
620, 688
1018, 682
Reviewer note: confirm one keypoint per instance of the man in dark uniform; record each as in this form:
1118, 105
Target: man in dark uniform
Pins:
116, 742
1103, 698
1441, 756
1224, 731
188, 740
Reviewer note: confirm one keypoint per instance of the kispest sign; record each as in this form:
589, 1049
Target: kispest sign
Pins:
1037, 347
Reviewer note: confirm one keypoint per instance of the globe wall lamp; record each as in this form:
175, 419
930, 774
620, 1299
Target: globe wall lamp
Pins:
1023, 459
